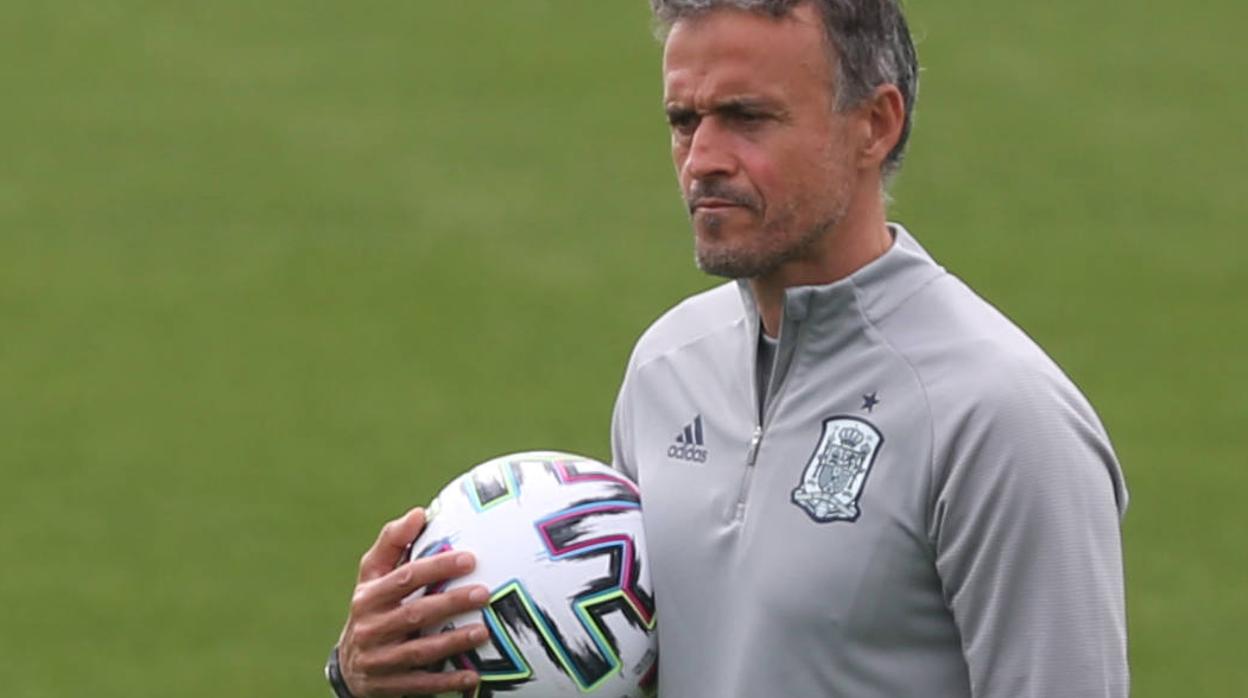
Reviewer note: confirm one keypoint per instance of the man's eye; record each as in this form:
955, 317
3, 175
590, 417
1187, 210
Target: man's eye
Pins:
750, 118
682, 122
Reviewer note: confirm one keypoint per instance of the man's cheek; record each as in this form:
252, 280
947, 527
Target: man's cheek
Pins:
765, 179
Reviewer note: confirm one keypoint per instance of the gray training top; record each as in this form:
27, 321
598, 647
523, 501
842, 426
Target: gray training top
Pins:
928, 507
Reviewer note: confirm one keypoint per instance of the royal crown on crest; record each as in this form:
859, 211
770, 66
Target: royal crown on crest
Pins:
851, 437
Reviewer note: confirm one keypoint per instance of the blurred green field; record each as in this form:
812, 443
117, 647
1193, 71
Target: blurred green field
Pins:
270, 273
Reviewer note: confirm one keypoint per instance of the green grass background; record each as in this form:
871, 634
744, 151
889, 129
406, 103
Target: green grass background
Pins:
271, 273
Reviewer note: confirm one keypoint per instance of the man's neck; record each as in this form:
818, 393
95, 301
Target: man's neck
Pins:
843, 251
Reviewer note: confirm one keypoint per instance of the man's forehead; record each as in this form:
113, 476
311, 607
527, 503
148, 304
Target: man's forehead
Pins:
737, 51
745, 29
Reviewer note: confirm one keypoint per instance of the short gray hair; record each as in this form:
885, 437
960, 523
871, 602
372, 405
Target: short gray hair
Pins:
870, 39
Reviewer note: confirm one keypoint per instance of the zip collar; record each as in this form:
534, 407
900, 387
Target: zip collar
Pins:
819, 318
875, 289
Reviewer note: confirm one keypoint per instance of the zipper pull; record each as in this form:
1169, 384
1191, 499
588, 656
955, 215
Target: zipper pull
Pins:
755, 441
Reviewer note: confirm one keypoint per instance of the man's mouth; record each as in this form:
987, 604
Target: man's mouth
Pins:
712, 204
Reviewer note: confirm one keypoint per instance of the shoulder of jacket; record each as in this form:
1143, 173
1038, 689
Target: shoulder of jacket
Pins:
972, 360
954, 338
690, 320
984, 378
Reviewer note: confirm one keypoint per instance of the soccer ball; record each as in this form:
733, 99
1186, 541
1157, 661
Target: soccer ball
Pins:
559, 543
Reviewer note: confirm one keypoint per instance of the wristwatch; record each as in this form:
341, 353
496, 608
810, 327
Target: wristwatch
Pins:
333, 674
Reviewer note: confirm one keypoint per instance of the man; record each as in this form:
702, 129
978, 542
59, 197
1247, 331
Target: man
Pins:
888, 489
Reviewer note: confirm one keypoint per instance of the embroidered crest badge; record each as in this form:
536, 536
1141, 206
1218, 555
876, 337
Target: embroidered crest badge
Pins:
838, 469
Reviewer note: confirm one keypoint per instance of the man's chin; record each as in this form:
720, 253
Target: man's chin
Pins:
729, 263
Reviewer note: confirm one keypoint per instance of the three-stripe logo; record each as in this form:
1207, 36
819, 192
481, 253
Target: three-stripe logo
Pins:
689, 442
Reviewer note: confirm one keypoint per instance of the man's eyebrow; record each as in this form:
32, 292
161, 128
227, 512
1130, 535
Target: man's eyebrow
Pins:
743, 105
678, 111
734, 106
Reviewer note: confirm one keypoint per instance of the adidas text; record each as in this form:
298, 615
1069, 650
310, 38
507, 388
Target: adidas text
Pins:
687, 452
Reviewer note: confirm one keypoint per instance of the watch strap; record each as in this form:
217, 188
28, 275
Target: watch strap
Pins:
333, 674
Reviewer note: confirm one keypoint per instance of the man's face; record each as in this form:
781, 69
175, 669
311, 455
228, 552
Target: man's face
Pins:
762, 156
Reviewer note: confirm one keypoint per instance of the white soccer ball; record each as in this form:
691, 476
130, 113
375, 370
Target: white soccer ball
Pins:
559, 543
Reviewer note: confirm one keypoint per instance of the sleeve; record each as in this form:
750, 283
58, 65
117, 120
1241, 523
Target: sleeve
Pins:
1026, 529
622, 457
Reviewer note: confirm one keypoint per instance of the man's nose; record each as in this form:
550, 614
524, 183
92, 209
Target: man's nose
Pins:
710, 153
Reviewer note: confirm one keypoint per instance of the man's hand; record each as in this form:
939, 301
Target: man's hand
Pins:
377, 654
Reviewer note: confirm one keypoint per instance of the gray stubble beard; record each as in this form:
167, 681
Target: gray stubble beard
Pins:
744, 264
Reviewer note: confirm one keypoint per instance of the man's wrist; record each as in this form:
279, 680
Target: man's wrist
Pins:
333, 674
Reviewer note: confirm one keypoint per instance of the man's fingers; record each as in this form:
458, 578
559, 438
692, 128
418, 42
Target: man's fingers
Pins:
377, 657
383, 655
422, 651
386, 592
394, 538
417, 574
422, 614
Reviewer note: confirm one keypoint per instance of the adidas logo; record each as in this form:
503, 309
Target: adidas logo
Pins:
688, 442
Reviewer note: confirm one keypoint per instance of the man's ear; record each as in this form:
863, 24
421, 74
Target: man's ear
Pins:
884, 114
